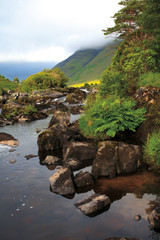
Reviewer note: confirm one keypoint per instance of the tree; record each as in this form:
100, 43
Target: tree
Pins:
126, 20
150, 18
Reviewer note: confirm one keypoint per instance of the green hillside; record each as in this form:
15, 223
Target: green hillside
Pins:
87, 65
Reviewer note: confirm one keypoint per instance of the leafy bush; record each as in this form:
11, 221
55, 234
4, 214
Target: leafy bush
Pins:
150, 79
152, 148
112, 82
6, 84
134, 57
43, 80
109, 116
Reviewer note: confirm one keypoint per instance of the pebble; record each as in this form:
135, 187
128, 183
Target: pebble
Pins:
12, 150
137, 217
12, 161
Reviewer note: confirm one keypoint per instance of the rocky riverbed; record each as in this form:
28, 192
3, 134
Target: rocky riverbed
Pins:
114, 191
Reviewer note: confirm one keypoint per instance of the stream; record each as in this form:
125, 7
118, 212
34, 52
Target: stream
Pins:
29, 210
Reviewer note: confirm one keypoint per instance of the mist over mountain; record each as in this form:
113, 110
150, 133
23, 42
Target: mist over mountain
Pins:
87, 64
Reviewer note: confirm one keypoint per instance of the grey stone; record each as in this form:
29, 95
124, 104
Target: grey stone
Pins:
83, 179
81, 151
104, 164
115, 158
61, 182
93, 204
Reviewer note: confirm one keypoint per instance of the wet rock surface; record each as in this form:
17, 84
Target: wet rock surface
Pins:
52, 160
93, 204
8, 139
114, 158
60, 117
81, 151
61, 182
30, 156
83, 179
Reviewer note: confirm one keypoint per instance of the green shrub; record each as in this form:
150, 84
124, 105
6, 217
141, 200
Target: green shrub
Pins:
152, 148
43, 80
107, 117
150, 79
112, 83
6, 84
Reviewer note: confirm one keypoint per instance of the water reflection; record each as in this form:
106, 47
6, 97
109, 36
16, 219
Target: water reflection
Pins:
138, 183
45, 214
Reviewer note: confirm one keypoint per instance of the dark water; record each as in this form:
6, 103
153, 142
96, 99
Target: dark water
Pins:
22, 70
29, 210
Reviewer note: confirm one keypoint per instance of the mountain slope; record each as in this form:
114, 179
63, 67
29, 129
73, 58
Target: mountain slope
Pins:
86, 65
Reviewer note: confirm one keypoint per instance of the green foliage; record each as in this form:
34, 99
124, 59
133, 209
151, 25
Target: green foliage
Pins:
107, 117
150, 79
6, 84
112, 83
43, 80
126, 19
152, 148
150, 17
133, 58
29, 109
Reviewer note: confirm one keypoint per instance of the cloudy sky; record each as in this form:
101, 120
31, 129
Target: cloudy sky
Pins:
51, 30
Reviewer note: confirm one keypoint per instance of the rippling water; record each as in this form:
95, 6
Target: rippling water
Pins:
29, 210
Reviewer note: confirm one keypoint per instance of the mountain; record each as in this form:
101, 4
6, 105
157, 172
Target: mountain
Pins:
87, 64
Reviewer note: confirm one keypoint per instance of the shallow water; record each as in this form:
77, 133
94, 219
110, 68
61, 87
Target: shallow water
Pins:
29, 210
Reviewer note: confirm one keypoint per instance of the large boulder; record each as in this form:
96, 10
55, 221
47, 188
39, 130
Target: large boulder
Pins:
83, 179
129, 158
115, 158
56, 139
52, 139
105, 162
93, 204
14, 111
60, 117
82, 152
61, 182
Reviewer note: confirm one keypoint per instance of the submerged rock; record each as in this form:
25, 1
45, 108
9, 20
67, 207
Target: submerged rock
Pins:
93, 204
30, 156
61, 182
